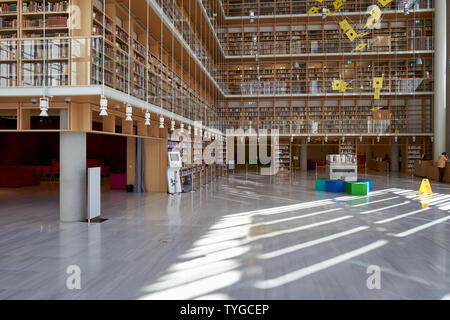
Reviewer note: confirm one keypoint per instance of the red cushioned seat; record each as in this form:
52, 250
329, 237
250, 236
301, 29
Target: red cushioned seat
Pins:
17, 179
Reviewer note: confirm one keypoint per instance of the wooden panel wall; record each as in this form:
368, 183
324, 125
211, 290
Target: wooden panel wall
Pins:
155, 165
131, 160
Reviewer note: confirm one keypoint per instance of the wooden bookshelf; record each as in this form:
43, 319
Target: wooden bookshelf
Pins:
242, 8
397, 33
333, 115
283, 156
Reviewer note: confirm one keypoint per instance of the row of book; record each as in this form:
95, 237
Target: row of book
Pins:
51, 22
8, 8
36, 51
8, 23
57, 22
8, 52
33, 6
55, 68
8, 69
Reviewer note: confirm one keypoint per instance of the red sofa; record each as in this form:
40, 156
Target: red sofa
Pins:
17, 179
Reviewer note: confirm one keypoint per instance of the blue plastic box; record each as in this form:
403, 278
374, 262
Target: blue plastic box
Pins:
335, 186
367, 180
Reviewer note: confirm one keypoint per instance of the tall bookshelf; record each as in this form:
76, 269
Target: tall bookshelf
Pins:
242, 8
283, 156
333, 115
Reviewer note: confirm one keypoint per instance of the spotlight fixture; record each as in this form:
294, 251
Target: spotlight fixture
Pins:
309, 139
432, 139
360, 138
128, 112
33, 101
67, 100
396, 139
182, 128
378, 138
172, 125
103, 106
147, 118
324, 13
343, 138
189, 129
43, 105
326, 138
414, 139
195, 131
161, 123
252, 16
292, 138
117, 107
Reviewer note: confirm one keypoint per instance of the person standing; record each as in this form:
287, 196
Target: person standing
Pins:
442, 162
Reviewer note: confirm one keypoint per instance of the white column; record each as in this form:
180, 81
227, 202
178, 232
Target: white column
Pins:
72, 187
440, 67
303, 156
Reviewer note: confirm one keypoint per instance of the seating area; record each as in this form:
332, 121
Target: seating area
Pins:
357, 188
52, 170
17, 178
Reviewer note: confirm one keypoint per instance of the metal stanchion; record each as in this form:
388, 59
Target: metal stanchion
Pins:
387, 166
316, 170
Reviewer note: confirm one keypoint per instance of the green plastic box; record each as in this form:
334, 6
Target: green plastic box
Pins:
357, 188
321, 185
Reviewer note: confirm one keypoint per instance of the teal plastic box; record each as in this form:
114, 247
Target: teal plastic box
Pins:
321, 185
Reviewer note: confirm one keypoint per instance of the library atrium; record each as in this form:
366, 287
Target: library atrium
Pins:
224, 149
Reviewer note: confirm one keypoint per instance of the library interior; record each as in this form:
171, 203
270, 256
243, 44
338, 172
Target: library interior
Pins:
224, 149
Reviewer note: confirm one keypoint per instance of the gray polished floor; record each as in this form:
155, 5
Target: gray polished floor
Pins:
241, 237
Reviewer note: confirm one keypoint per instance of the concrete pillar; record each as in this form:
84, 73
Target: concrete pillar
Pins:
303, 156
394, 156
440, 68
72, 187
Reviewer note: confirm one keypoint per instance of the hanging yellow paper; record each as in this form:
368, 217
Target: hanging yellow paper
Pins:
375, 16
360, 46
384, 3
313, 10
377, 94
351, 34
338, 4
425, 187
337, 85
345, 25
378, 83
344, 87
